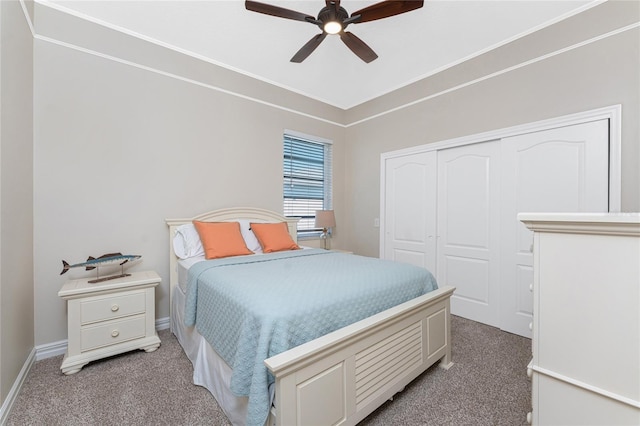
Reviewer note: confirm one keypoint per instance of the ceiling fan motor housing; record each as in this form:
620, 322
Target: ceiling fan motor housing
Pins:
329, 13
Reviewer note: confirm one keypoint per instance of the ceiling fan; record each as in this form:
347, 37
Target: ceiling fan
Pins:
333, 19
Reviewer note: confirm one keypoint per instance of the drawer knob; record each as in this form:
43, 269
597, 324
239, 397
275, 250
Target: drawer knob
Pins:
114, 308
531, 326
531, 287
529, 372
529, 417
115, 333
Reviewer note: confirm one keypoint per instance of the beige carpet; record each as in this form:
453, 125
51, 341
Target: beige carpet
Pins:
486, 386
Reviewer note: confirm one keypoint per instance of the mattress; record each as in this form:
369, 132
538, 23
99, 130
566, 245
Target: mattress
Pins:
183, 271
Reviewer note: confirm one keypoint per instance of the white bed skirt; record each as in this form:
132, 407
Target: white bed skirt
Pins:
209, 369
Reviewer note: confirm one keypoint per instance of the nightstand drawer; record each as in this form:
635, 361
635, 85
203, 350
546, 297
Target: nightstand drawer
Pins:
112, 332
113, 306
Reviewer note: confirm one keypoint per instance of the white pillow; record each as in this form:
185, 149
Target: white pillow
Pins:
186, 242
249, 237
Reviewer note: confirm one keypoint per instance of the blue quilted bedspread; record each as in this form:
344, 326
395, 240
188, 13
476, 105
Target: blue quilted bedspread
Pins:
250, 308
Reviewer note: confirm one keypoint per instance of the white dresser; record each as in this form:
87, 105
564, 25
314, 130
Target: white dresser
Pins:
586, 319
109, 318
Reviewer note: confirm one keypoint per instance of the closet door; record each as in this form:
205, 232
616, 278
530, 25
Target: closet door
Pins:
557, 170
469, 229
409, 208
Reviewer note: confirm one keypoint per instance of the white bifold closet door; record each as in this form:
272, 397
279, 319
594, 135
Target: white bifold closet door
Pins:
410, 224
454, 211
558, 170
468, 229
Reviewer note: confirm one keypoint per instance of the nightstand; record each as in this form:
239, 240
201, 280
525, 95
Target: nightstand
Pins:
109, 318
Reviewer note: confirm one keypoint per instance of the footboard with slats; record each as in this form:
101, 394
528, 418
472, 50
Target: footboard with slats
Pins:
343, 376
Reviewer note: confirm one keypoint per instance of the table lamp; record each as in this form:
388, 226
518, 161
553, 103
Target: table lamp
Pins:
325, 219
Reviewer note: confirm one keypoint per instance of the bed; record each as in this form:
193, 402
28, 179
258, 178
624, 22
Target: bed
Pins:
337, 377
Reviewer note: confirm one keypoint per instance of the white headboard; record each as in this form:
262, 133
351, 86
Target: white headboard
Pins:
223, 215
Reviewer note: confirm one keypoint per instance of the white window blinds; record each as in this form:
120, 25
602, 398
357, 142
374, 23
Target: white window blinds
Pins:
307, 180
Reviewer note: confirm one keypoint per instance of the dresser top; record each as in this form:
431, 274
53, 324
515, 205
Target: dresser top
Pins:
583, 223
80, 287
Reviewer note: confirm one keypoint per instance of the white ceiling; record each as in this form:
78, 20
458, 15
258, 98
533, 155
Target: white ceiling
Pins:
410, 46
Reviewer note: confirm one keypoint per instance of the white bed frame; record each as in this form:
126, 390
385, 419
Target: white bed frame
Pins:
355, 369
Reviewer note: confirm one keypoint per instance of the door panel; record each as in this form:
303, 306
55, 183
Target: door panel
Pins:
410, 215
468, 228
459, 269
557, 170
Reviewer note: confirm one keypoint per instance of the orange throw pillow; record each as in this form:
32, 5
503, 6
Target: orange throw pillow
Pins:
274, 237
221, 239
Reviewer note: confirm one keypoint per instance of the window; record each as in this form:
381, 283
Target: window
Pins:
307, 180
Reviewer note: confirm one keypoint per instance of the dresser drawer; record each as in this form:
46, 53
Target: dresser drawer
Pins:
112, 332
112, 306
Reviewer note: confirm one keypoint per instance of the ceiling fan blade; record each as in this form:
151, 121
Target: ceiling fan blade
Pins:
280, 12
385, 9
358, 46
306, 50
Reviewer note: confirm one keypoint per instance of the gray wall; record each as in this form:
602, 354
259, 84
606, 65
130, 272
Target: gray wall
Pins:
601, 73
16, 194
119, 148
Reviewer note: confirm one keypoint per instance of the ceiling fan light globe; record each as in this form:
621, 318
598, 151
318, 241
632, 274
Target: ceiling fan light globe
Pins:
332, 27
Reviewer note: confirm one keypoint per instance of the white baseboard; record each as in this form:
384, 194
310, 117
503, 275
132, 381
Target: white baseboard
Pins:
15, 389
52, 349
163, 323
